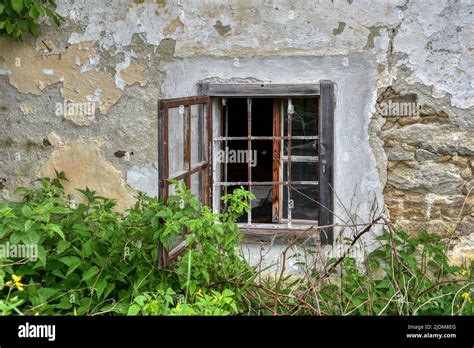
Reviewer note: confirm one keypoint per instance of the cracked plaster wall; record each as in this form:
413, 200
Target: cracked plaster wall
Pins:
116, 56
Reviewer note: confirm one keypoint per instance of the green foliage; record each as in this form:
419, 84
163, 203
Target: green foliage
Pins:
19, 17
404, 275
94, 260
168, 303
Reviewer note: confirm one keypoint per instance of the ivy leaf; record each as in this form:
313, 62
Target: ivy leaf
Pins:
206, 275
17, 5
227, 293
42, 295
64, 303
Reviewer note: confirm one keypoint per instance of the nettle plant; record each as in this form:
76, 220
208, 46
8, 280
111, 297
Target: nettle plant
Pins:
93, 260
20, 17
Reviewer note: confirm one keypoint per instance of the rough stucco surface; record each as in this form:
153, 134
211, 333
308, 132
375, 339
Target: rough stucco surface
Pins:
82, 159
123, 56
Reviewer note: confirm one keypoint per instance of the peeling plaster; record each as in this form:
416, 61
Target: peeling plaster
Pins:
129, 73
27, 65
84, 166
439, 54
173, 26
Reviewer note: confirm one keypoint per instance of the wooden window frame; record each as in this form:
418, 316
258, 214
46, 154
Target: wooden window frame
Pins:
324, 90
163, 121
167, 256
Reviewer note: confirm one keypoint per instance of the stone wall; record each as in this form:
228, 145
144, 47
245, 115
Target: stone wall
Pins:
123, 56
429, 172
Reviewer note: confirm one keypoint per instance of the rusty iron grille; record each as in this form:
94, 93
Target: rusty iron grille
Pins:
279, 158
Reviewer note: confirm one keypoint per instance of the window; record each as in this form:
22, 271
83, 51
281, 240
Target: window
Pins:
269, 146
275, 140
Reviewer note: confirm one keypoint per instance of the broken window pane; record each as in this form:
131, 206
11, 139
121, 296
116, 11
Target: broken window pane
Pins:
301, 147
262, 205
304, 119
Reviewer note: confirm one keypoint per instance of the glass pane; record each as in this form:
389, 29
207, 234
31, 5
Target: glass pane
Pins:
176, 140
301, 171
197, 185
304, 119
301, 147
262, 204
304, 197
198, 133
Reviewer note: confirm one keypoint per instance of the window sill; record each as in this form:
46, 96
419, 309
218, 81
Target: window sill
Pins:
280, 233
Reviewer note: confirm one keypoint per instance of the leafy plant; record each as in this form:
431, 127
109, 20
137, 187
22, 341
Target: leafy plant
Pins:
404, 275
19, 17
93, 260
168, 303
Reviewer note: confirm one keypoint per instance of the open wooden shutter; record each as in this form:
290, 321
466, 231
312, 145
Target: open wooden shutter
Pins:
184, 151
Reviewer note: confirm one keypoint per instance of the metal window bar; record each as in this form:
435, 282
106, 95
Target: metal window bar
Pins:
225, 138
249, 143
226, 113
288, 166
289, 158
266, 183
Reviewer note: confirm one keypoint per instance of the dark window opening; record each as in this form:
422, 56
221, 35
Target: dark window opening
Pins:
271, 149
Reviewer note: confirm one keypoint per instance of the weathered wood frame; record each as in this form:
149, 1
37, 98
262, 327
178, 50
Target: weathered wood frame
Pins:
325, 91
166, 256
